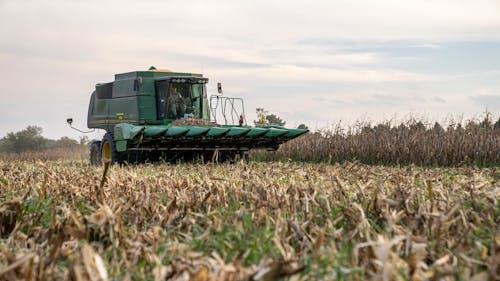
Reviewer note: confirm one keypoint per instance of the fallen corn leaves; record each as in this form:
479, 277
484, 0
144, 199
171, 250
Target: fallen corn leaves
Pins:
257, 221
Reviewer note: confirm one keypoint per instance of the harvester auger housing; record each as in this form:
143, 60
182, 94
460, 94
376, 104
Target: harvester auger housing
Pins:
160, 113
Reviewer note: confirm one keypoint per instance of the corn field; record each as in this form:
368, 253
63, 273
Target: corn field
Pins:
409, 142
256, 221
53, 154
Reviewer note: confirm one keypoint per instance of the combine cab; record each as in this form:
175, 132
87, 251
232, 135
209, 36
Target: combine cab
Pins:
160, 113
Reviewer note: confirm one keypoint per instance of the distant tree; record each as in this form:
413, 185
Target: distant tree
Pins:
261, 117
84, 140
303, 127
66, 142
264, 118
4, 145
63, 142
29, 139
275, 120
497, 124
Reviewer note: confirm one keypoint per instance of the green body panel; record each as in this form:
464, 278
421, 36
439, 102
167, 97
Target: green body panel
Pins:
293, 133
137, 108
197, 131
124, 131
237, 131
274, 132
147, 109
121, 145
217, 131
176, 131
153, 131
257, 132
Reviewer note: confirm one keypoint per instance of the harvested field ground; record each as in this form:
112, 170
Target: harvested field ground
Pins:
257, 221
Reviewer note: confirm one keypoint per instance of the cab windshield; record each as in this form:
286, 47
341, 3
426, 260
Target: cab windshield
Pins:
180, 100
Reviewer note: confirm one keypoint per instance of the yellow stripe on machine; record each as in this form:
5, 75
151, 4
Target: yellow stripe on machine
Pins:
112, 121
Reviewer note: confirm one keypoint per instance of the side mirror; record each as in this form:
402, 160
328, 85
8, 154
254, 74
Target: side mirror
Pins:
70, 121
219, 87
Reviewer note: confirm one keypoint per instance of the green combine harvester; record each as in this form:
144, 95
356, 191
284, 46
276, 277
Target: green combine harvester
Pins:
161, 114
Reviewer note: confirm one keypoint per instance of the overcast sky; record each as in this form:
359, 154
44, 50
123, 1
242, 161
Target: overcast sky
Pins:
313, 62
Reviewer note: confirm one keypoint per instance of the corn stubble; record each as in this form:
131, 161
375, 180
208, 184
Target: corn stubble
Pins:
257, 221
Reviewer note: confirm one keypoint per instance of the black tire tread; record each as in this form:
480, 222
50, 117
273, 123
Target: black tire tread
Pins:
116, 157
95, 146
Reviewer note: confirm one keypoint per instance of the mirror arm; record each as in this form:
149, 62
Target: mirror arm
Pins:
70, 121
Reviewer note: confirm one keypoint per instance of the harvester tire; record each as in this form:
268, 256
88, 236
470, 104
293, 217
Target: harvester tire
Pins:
245, 157
95, 153
108, 150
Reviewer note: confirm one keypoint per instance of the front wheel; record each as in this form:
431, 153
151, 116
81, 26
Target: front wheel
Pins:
244, 156
108, 150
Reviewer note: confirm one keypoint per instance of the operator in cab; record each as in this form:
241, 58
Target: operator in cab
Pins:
177, 107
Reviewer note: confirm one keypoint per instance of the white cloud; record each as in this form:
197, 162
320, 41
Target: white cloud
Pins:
427, 46
285, 73
267, 23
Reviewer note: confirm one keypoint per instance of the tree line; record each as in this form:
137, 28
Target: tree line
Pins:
31, 139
